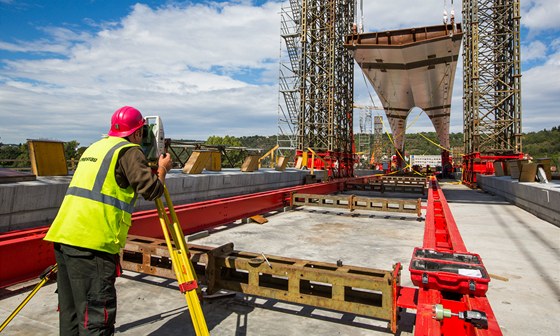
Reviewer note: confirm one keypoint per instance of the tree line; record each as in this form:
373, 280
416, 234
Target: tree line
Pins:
541, 144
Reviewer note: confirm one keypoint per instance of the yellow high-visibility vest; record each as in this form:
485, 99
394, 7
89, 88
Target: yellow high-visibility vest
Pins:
96, 213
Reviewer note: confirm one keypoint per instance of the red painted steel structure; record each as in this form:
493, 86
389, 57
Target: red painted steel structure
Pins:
338, 164
480, 163
441, 234
205, 215
24, 254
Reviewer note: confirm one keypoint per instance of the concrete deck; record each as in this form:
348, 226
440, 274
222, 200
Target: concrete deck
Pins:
540, 199
521, 251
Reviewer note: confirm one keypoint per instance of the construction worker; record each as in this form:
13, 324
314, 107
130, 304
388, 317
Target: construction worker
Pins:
93, 221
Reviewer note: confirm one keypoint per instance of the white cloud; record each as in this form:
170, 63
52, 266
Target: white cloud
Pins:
177, 61
189, 64
395, 14
540, 89
540, 14
535, 50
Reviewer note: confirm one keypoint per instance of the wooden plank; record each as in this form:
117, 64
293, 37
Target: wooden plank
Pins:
47, 158
11, 176
197, 162
250, 164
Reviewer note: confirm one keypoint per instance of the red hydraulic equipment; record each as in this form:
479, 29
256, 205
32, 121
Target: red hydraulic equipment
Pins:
452, 282
479, 163
337, 164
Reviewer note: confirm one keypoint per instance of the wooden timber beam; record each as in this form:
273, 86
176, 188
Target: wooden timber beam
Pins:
353, 202
389, 183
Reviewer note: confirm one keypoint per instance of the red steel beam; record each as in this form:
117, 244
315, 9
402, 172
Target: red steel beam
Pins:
195, 217
441, 234
441, 231
24, 254
453, 326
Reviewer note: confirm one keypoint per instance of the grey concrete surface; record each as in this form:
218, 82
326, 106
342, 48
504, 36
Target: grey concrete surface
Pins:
521, 251
540, 199
31, 204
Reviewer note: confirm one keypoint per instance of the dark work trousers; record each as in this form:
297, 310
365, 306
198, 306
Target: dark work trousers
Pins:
87, 297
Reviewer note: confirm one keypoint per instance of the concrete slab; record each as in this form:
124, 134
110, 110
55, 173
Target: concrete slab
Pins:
540, 199
515, 245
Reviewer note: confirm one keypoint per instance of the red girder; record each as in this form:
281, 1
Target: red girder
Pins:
195, 217
24, 254
442, 235
441, 231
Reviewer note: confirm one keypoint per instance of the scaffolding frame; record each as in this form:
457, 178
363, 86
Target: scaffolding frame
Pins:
289, 81
492, 77
365, 135
317, 81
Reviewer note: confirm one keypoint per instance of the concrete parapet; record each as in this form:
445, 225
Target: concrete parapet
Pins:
35, 203
540, 199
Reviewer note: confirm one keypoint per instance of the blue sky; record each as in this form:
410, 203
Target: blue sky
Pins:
207, 67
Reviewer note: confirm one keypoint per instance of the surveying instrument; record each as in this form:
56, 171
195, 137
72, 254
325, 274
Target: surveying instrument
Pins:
153, 146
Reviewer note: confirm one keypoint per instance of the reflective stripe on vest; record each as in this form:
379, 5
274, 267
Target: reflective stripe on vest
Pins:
95, 194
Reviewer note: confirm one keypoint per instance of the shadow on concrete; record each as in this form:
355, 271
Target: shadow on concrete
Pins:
543, 270
471, 196
24, 287
242, 305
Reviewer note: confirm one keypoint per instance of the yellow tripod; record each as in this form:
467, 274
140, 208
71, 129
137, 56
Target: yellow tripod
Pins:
182, 265
45, 276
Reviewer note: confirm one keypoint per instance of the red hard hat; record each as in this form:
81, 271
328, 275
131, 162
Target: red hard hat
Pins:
125, 121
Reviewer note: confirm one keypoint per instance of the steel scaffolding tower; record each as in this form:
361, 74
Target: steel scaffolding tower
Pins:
491, 77
378, 147
316, 84
289, 99
365, 135
491, 85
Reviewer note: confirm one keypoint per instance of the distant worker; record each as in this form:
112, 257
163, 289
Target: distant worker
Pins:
93, 221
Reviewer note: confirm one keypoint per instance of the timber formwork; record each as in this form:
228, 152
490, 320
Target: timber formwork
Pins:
407, 184
351, 289
353, 202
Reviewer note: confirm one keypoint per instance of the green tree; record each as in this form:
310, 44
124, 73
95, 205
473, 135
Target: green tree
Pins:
71, 149
9, 152
23, 157
234, 157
